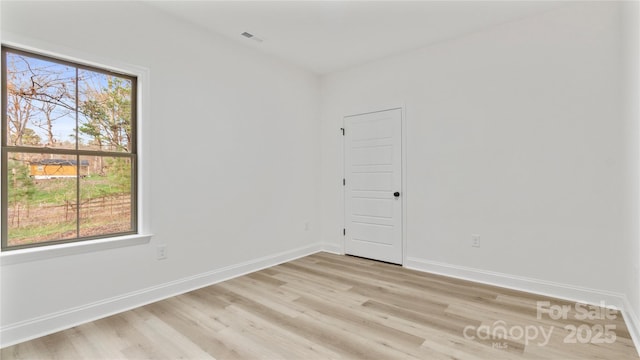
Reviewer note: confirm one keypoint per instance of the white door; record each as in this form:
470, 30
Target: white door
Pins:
373, 179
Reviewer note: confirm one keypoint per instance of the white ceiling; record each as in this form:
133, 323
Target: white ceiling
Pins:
327, 36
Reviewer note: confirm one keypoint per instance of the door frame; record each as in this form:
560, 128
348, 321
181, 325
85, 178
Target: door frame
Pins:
403, 173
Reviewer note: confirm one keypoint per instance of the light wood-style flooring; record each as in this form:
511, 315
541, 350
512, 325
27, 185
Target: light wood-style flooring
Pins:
327, 306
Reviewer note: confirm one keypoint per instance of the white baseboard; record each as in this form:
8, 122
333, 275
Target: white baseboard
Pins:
33, 328
633, 323
332, 248
536, 286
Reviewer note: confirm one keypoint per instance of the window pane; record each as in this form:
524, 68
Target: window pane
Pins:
74, 118
41, 198
105, 192
40, 103
105, 112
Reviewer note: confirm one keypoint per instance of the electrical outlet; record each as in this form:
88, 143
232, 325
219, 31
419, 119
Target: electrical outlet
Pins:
475, 240
161, 252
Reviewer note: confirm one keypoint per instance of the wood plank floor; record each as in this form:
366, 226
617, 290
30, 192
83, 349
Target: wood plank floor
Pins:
327, 306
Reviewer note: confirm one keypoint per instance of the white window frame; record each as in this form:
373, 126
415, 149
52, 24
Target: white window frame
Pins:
143, 236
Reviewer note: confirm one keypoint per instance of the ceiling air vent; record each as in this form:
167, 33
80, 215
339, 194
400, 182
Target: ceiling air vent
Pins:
251, 36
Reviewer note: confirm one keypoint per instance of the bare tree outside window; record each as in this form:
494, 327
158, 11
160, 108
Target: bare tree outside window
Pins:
68, 151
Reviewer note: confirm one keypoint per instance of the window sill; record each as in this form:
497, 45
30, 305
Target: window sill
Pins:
47, 252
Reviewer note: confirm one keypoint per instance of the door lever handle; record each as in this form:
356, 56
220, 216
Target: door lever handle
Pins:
396, 194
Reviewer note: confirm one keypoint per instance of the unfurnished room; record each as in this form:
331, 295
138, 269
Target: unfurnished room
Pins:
320, 180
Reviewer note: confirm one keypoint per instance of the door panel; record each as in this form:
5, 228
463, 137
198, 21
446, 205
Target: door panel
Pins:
376, 155
371, 207
373, 172
371, 181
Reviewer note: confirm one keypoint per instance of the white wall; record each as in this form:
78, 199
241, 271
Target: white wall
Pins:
631, 82
234, 154
515, 133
